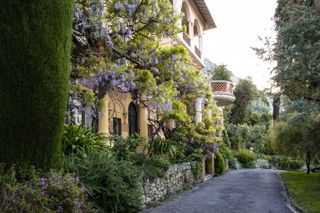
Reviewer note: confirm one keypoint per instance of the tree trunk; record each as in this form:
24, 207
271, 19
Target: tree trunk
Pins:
35, 52
308, 161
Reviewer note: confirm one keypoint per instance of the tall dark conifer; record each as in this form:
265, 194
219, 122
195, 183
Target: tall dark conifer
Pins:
35, 42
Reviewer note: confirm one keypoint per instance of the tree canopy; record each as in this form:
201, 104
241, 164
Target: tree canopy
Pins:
297, 50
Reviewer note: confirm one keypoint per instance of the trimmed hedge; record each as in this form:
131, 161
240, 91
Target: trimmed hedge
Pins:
34, 71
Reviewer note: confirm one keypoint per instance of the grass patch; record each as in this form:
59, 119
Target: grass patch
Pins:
304, 189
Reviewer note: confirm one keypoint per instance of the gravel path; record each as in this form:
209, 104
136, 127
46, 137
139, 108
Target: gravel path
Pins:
245, 191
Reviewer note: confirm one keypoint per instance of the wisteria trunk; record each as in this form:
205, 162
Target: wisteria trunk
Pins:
35, 45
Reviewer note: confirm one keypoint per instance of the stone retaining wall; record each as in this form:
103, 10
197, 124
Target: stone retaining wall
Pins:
178, 177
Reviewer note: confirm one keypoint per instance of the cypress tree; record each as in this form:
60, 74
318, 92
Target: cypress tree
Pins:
35, 43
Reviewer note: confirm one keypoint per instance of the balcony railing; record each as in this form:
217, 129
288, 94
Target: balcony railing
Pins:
223, 92
186, 38
198, 52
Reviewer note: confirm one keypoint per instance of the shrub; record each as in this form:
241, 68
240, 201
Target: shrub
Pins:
286, 163
245, 157
78, 138
111, 184
160, 146
196, 170
219, 166
124, 147
53, 192
232, 162
155, 166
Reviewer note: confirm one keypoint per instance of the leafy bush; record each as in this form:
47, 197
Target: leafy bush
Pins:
286, 163
160, 146
53, 192
196, 170
78, 138
245, 157
124, 147
111, 184
219, 166
232, 162
155, 166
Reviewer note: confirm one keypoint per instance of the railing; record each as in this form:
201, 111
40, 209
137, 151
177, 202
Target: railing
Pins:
223, 92
186, 38
198, 52
222, 87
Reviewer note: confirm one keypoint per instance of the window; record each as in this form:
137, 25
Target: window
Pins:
133, 119
117, 126
150, 131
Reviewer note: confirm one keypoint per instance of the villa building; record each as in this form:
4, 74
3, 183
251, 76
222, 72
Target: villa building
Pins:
120, 114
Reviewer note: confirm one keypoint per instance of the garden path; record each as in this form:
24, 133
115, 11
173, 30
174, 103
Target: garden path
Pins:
241, 191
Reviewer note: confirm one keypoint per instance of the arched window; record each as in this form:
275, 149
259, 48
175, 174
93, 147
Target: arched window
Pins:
133, 119
195, 31
186, 18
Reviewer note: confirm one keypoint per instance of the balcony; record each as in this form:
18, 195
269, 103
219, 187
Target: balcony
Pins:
223, 92
186, 38
198, 52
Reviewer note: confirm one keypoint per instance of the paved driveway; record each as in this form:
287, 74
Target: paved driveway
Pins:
245, 191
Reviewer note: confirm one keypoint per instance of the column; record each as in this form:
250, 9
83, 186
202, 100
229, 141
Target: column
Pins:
143, 121
104, 115
198, 110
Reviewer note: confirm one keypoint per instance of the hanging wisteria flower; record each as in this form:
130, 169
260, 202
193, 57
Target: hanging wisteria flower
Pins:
118, 6
132, 8
132, 85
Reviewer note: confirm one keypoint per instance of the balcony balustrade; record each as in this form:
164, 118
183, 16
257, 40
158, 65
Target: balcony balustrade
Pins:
186, 38
198, 52
223, 92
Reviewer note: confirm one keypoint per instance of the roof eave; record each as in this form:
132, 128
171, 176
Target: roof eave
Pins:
205, 13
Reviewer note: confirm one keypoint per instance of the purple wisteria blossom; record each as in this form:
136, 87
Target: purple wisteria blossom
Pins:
118, 6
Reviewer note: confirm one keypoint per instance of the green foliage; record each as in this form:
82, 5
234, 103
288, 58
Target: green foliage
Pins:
78, 138
245, 136
245, 92
219, 166
220, 72
298, 138
297, 51
259, 112
34, 71
196, 170
246, 158
155, 167
53, 192
304, 190
123, 147
160, 146
111, 184
286, 163
232, 162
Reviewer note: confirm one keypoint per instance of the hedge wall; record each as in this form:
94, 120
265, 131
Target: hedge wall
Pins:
35, 43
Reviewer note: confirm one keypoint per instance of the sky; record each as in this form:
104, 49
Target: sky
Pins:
239, 23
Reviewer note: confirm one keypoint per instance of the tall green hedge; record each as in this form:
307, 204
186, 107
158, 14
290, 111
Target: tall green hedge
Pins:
35, 43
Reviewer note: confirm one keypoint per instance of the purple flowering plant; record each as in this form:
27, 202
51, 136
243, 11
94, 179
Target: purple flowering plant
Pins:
50, 192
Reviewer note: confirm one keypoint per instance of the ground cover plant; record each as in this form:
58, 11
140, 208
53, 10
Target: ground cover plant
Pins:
111, 184
304, 189
30, 190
